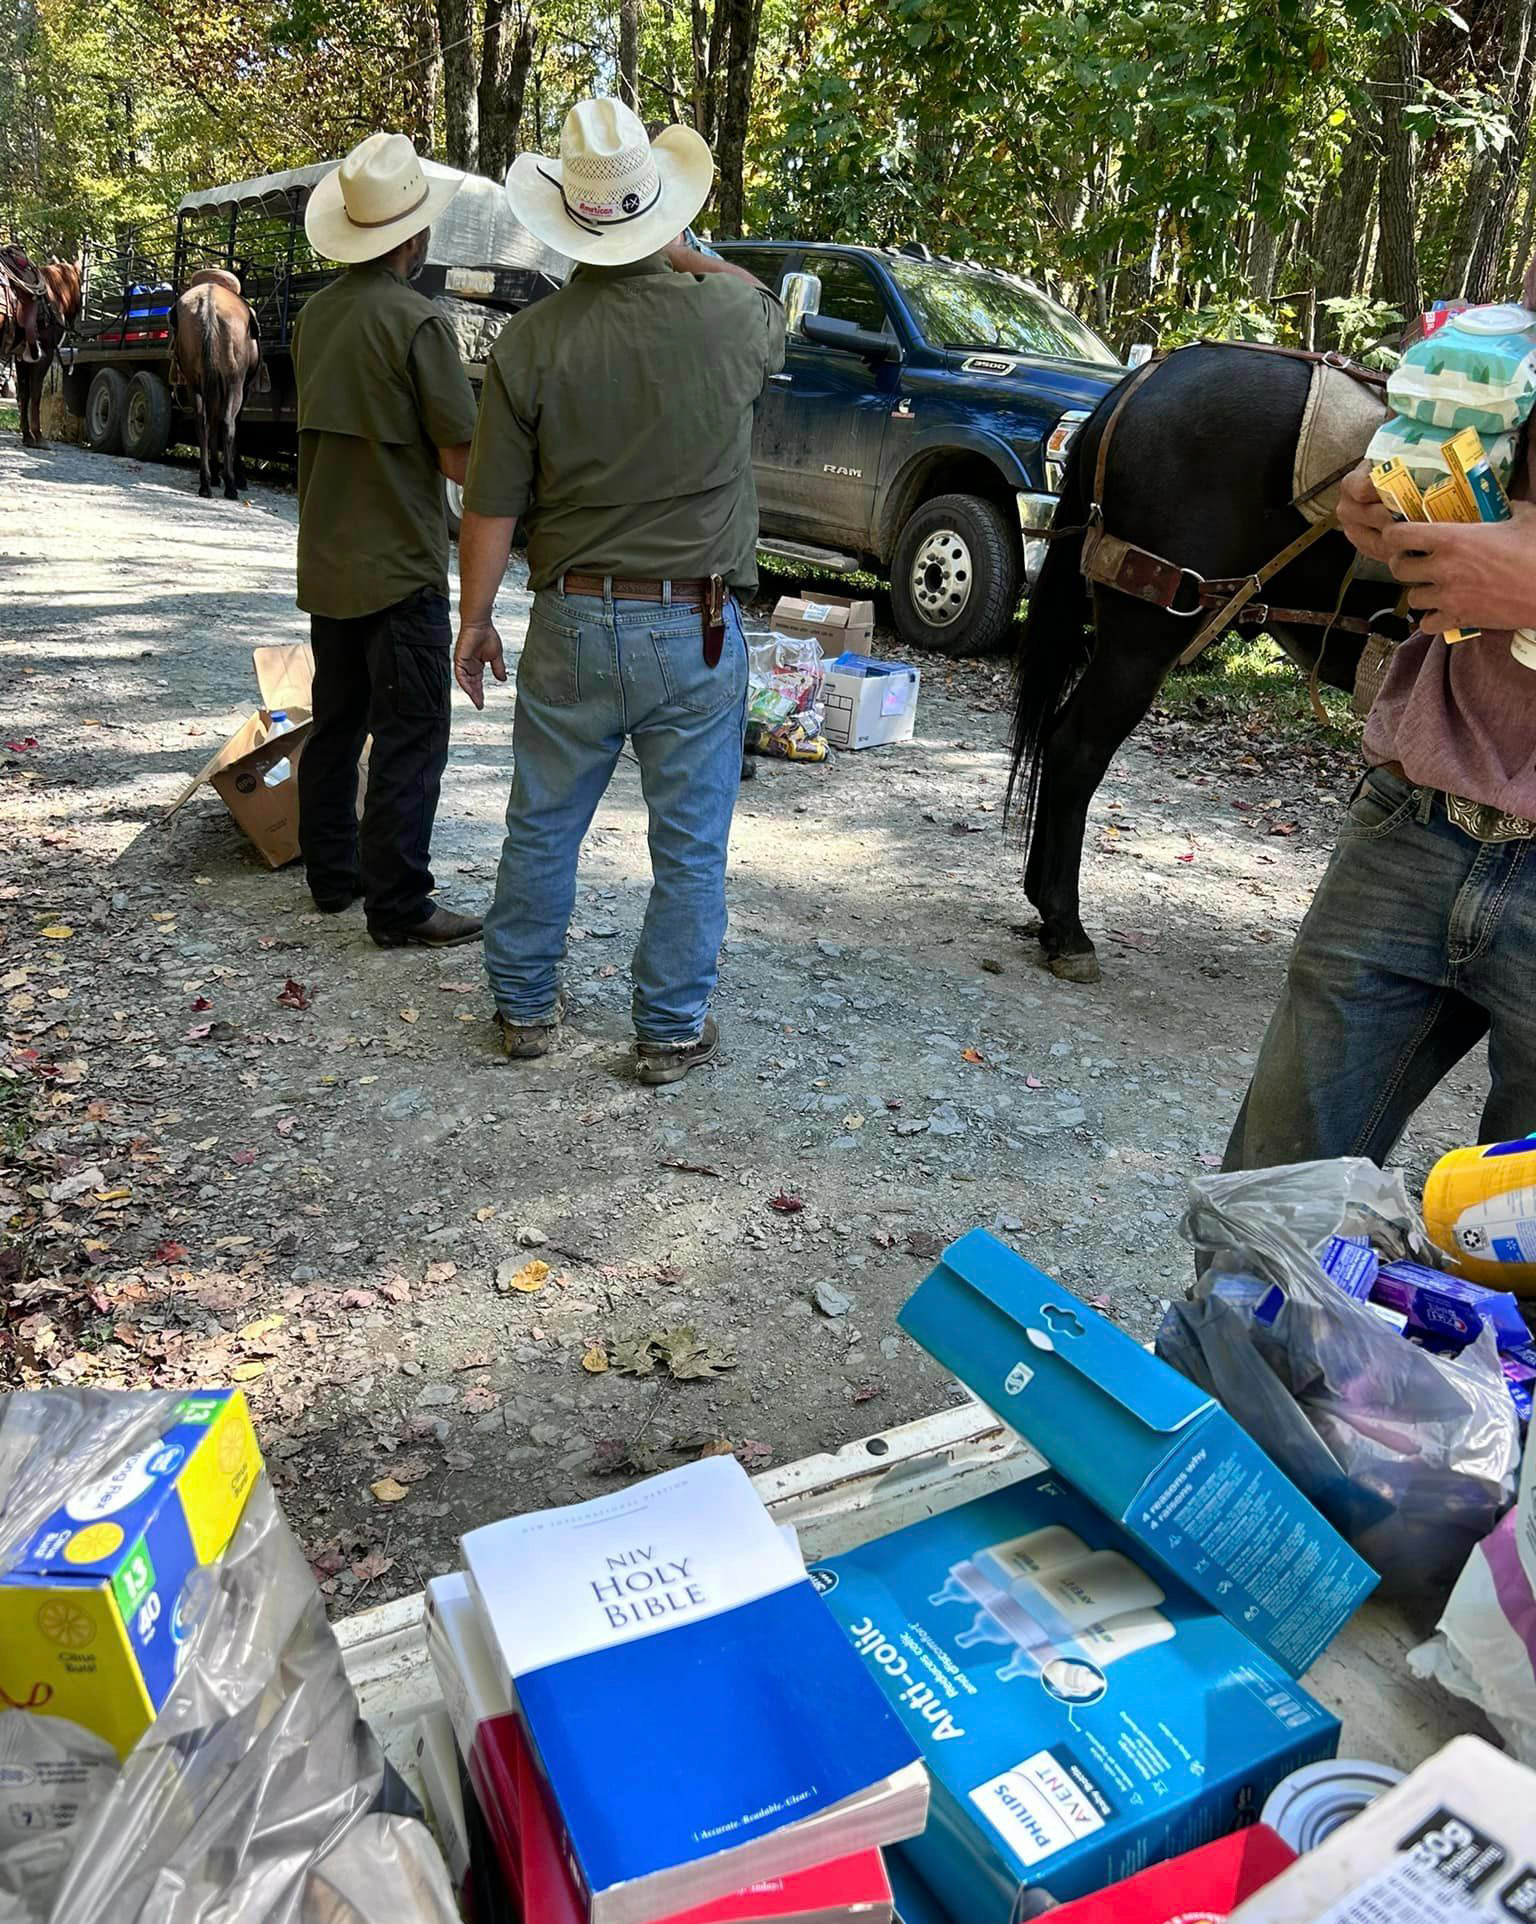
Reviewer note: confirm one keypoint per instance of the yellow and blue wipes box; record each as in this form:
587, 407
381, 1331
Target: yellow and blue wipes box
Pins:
92, 1620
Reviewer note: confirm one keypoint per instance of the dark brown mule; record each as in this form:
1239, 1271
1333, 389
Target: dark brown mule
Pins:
216, 352
38, 304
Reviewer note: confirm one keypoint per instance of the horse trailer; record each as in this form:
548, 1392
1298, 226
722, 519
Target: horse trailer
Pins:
118, 375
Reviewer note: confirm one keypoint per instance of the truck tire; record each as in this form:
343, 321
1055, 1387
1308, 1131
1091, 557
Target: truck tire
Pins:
105, 406
453, 502
955, 577
147, 417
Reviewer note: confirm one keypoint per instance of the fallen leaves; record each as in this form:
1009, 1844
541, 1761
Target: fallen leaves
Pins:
526, 1278
57, 931
975, 1057
169, 1252
293, 995
682, 1353
595, 1360
785, 1204
387, 1490
410, 1015
440, 1272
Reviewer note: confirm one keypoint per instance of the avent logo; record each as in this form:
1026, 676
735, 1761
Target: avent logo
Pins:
1037, 1808
1018, 1378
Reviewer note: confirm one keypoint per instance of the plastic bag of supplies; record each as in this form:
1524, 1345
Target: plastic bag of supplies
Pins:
1411, 1455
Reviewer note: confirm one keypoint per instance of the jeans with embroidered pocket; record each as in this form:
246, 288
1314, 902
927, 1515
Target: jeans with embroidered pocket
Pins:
1417, 945
592, 675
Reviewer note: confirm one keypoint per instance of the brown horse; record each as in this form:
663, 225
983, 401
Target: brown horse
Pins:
216, 352
38, 304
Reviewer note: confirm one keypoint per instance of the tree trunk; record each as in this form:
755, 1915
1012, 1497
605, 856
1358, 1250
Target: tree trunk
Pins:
490, 84
629, 53
1517, 63
1342, 235
743, 18
454, 26
502, 89
1263, 259
425, 71
713, 66
1397, 264
1470, 222
699, 48
1522, 243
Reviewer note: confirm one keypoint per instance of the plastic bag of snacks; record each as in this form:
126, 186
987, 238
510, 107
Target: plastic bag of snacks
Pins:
1410, 1454
784, 704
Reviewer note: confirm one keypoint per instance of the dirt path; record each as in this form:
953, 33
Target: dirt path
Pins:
317, 1201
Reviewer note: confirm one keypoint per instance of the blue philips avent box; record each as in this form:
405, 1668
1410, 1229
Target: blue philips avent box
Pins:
1144, 1445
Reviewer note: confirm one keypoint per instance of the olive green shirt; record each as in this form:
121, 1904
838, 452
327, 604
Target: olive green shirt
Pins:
381, 389
617, 420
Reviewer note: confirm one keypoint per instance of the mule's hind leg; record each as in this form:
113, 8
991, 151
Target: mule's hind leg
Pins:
27, 407
204, 437
1136, 647
234, 474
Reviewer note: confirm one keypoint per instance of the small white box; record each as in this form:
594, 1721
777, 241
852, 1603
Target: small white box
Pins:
869, 702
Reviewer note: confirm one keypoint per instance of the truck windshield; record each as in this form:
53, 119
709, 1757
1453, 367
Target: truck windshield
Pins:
957, 307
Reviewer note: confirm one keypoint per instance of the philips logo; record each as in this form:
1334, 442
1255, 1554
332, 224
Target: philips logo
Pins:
1018, 1379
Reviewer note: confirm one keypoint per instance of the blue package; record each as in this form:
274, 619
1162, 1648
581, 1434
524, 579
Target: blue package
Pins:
1154, 1452
914, 1902
1081, 1712
1449, 1307
1352, 1264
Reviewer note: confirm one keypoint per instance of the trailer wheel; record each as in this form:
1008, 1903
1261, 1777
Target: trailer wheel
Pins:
147, 417
105, 406
453, 502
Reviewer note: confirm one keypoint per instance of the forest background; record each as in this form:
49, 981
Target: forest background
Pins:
1292, 169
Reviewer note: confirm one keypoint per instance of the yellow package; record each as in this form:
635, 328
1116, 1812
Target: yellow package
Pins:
1448, 500
1398, 489
1480, 1205
92, 1619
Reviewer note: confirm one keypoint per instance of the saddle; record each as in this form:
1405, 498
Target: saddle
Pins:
22, 294
216, 277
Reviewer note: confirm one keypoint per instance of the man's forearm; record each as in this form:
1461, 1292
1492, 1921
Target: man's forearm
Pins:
485, 542
688, 260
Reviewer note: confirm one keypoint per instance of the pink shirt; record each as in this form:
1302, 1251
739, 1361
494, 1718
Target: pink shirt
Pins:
1461, 719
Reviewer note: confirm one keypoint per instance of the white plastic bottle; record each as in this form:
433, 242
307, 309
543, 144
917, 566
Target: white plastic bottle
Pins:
279, 772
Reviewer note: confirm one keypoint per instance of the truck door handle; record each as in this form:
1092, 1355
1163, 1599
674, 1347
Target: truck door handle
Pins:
782, 380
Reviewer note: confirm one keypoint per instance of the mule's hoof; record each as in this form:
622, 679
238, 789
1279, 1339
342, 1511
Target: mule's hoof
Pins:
205, 494
1076, 968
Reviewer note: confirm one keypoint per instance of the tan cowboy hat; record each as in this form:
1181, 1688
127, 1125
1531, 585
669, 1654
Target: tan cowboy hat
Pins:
379, 196
612, 196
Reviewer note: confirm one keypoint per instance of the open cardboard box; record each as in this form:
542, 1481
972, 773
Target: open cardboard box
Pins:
836, 622
236, 774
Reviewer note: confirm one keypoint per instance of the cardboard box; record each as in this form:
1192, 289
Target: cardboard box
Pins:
837, 624
236, 774
91, 1622
1201, 1887
1143, 1444
1452, 1844
1081, 1712
869, 702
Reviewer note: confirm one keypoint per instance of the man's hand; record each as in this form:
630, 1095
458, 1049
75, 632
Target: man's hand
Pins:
1467, 574
1363, 515
479, 648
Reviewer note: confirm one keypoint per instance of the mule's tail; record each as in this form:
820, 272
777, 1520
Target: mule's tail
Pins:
1057, 641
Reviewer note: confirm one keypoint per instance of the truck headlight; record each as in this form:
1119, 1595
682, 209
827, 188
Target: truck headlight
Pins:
1058, 444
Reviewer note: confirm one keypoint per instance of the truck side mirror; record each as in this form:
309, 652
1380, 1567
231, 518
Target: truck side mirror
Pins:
801, 295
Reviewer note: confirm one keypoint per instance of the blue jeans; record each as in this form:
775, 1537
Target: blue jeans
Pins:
1419, 942
593, 672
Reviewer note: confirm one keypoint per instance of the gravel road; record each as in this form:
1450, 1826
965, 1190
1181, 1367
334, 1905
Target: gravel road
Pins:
320, 1200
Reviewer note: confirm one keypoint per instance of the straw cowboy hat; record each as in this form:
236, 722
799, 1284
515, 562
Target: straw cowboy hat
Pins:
379, 196
612, 196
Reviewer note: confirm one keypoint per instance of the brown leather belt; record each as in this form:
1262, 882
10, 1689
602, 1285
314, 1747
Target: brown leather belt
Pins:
690, 594
707, 596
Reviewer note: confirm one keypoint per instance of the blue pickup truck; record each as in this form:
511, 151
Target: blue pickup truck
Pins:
919, 428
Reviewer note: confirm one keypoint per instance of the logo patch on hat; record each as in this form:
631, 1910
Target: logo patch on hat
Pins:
630, 203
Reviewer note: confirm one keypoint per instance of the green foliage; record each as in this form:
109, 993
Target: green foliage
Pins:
1365, 327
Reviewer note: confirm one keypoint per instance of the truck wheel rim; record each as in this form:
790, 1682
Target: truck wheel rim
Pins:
101, 411
136, 423
941, 577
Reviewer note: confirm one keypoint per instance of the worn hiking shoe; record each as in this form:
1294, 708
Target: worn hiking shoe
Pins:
527, 1041
664, 1062
443, 929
